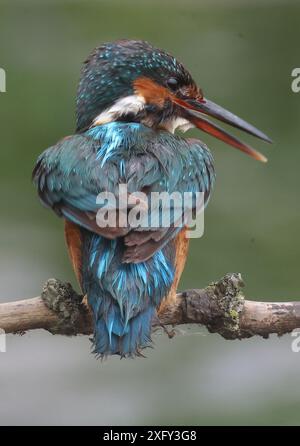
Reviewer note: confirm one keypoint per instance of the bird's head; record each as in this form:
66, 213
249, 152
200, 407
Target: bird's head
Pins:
131, 81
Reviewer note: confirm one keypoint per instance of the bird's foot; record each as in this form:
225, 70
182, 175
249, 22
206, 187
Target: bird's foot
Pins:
158, 325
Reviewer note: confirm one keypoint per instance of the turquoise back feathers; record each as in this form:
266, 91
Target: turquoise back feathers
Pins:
123, 290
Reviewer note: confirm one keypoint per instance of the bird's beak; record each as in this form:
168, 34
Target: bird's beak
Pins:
195, 111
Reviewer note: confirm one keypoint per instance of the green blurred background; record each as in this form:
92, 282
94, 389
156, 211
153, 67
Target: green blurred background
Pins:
242, 54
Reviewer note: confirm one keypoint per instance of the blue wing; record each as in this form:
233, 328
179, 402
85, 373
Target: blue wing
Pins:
71, 174
69, 179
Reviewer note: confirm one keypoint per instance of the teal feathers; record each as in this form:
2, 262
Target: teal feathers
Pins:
70, 175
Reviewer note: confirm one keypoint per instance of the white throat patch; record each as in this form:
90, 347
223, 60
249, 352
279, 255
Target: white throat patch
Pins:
130, 104
176, 123
134, 104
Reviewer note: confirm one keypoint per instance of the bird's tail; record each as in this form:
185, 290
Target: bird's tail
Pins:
123, 296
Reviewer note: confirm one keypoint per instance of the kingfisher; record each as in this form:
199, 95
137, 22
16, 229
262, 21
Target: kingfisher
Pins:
132, 98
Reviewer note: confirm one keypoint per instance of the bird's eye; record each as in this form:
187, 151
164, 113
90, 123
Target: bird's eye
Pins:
172, 83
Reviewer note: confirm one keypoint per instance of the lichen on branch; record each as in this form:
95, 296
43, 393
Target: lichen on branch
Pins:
221, 307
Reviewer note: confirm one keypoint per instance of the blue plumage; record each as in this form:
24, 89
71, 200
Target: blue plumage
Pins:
70, 175
131, 99
123, 296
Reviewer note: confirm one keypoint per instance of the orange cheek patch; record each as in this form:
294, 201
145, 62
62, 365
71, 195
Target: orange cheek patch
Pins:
192, 92
151, 91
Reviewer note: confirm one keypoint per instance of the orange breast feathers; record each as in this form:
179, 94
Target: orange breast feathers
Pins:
181, 252
73, 239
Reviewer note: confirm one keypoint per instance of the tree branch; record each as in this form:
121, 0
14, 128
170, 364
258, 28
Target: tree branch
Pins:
221, 307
